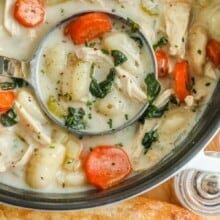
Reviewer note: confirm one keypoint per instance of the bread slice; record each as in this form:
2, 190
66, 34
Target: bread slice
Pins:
139, 208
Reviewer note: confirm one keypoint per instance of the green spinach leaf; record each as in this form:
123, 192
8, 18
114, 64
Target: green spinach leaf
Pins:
119, 57
75, 118
100, 90
9, 118
160, 43
16, 83
149, 139
134, 27
138, 40
154, 112
153, 87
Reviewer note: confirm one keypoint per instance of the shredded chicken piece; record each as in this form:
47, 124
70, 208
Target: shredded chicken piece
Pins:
197, 48
31, 118
91, 55
176, 15
127, 84
26, 156
11, 155
163, 98
125, 81
148, 126
32, 125
11, 25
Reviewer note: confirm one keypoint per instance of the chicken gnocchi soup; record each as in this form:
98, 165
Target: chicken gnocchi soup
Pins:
95, 80
95, 74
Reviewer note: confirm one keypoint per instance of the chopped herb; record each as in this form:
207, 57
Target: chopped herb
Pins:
9, 118
105, 51
86, 44
126, 116
113, 10
119, 144
154, 112
153, 87
100, 90
89, 116
42, 71
194, 91
160, 43
138, 40
109, 122
92, 44
208, 84
62, 11
75, 118
134, 27
193, 82
52, 147
119, 57
199, 51
149, 139
89, 104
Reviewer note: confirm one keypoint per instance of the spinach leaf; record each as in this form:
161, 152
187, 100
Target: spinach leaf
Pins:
160, 43
7, 85
153, 112
149, 139
9, 118
119, 57
75, 118
134, 27
153, 87
100, 90
19, 83
138, 40
16, 83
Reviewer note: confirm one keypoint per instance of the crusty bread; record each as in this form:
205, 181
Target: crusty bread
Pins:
139, 208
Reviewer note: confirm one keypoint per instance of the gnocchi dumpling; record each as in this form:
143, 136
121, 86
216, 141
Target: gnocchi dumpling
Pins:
122, 42
73, 150
44, 164
112, 104
75, 80
66, 178
55, 61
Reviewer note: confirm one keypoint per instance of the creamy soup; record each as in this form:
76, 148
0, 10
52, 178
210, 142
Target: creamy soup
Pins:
38, 155
112, 95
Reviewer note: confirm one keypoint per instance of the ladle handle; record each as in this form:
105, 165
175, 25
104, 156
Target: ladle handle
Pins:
13, 68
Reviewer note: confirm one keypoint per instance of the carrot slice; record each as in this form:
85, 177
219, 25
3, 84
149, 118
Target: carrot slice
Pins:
162, 63
88, 27
181, 76
106, 166
29, 13
7, 99
213, 52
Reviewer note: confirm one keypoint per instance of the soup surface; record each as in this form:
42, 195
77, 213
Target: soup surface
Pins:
36, 154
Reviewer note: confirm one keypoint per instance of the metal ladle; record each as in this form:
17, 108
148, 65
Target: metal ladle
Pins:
29, 72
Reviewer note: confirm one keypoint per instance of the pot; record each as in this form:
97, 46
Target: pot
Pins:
189, 154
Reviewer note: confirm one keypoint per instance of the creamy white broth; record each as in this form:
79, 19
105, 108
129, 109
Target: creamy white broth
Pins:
179, 119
